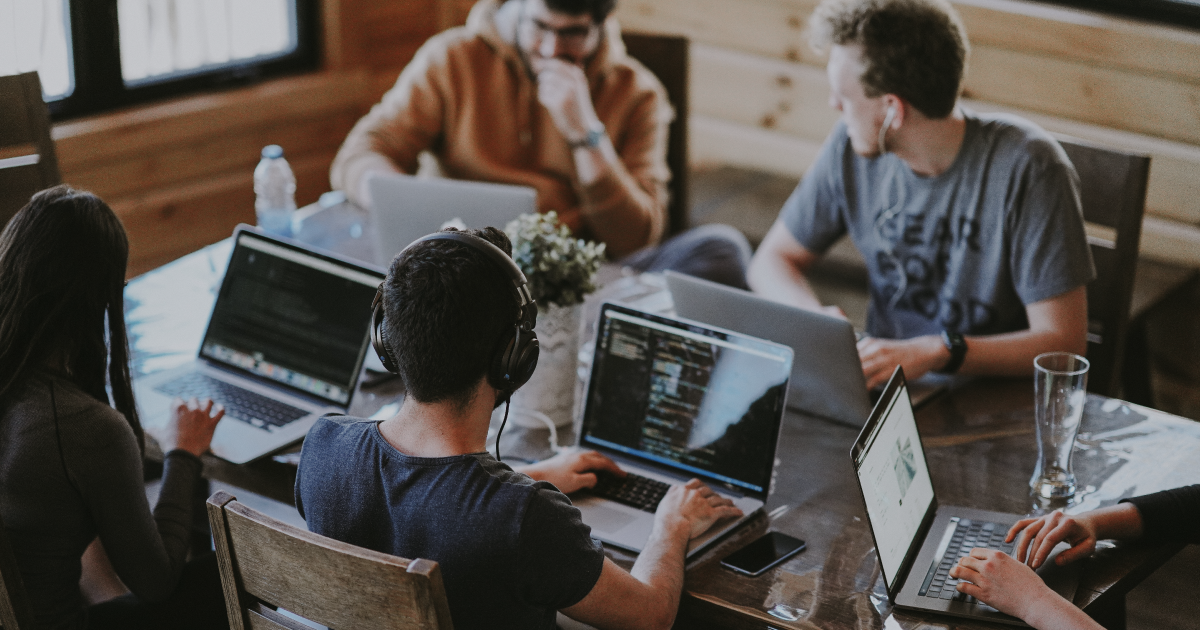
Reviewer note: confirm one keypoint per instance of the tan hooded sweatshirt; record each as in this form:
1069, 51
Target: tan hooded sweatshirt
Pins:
468, 97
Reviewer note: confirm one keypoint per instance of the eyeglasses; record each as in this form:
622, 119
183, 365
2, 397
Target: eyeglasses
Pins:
570, 35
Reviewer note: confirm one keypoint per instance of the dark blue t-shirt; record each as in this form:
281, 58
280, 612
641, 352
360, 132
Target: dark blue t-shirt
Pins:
512, 551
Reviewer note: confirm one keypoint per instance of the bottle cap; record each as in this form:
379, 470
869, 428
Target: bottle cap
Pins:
272, 151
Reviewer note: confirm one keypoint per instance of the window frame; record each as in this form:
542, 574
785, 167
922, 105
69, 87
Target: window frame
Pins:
1165, 12
95, 57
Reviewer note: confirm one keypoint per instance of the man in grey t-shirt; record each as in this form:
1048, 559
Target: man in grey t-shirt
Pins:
970, 224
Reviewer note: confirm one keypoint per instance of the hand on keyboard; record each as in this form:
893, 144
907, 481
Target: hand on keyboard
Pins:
998, 580
1037, 537
692, 508
572, 470
191, 426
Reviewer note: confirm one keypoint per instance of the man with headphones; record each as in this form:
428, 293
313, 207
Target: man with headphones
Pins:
969, 223
455, 320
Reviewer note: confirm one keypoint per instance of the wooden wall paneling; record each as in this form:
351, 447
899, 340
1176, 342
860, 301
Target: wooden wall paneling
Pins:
759, 91
169, 223
1094, 38
714, 141
771, 28
143, 129
180, 174
454, 12
235, 150
1170, 242
775, 28
1120, 99
390, 31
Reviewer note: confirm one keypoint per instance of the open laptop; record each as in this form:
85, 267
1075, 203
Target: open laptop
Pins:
827, 377
284, 345
407, 208
671, 400
918, 540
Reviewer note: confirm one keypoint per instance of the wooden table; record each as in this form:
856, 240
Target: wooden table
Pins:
979, 440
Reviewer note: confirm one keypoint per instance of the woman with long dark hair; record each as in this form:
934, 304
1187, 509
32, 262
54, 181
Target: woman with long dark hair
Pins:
71, 444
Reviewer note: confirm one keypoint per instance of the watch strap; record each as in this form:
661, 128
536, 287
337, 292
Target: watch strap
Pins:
957, 345
594, 137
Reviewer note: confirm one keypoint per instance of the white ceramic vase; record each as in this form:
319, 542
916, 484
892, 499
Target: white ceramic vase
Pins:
551, 391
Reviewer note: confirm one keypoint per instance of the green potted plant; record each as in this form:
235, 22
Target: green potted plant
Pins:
561, 270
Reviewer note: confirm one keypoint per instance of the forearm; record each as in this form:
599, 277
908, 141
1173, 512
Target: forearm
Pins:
777, 279
619, 210
1012, 354
148, 551
1121, 521
1051, 612
660, 568
356, 161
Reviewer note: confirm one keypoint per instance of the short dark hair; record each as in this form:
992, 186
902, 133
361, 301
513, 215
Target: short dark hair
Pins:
447, 307
915, 49
598, 9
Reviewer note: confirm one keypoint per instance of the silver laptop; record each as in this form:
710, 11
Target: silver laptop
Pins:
407, 208
671, 400
918, 540
827, 377
284, 345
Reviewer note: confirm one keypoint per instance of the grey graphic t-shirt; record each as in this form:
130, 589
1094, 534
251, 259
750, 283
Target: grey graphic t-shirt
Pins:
965, 250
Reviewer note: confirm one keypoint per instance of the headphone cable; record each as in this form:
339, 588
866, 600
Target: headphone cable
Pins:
507, 404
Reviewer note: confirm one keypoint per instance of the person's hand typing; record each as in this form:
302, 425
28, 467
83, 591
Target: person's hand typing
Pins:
998, 580
1039, 536
918, 355
693, 507
191, 426
572, 470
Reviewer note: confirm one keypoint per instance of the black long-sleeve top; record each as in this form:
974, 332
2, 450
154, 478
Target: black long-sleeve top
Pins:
1170, 514
70, 470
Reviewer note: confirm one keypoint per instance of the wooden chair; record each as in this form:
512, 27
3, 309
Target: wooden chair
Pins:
267, 564
16, 613
27, 160
1113, 194
667, 57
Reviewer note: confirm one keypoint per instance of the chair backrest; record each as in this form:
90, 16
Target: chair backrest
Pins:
1113, 194
267, 564
27, 160
667, 57
16, 613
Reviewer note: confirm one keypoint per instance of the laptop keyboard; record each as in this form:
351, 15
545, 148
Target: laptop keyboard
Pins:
633, 490
968, 534
253, 409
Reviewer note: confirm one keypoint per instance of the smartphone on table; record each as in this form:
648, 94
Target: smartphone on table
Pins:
767, 551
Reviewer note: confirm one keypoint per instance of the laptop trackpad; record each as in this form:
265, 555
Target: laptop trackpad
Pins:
606, 519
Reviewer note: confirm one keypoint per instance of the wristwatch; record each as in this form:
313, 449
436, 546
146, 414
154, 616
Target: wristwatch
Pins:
957, 346
594, 137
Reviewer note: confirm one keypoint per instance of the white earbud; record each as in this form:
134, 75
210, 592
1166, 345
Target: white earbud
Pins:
887, 123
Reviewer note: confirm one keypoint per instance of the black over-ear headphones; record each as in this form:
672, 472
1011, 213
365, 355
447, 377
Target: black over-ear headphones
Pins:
516, 356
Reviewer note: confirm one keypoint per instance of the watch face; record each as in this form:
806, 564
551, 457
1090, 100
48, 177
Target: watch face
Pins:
595, 136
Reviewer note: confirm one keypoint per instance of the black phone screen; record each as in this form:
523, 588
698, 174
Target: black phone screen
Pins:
762, 554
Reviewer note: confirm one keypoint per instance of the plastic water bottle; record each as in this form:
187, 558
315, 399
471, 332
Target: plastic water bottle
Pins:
275, 187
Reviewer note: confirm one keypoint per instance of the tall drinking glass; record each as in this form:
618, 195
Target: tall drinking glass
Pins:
1060, 391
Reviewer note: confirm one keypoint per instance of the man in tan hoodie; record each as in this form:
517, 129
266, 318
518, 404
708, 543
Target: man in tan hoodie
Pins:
541, 93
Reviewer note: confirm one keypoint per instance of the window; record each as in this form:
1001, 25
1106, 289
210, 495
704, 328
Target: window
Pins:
1174, 12
92, 56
